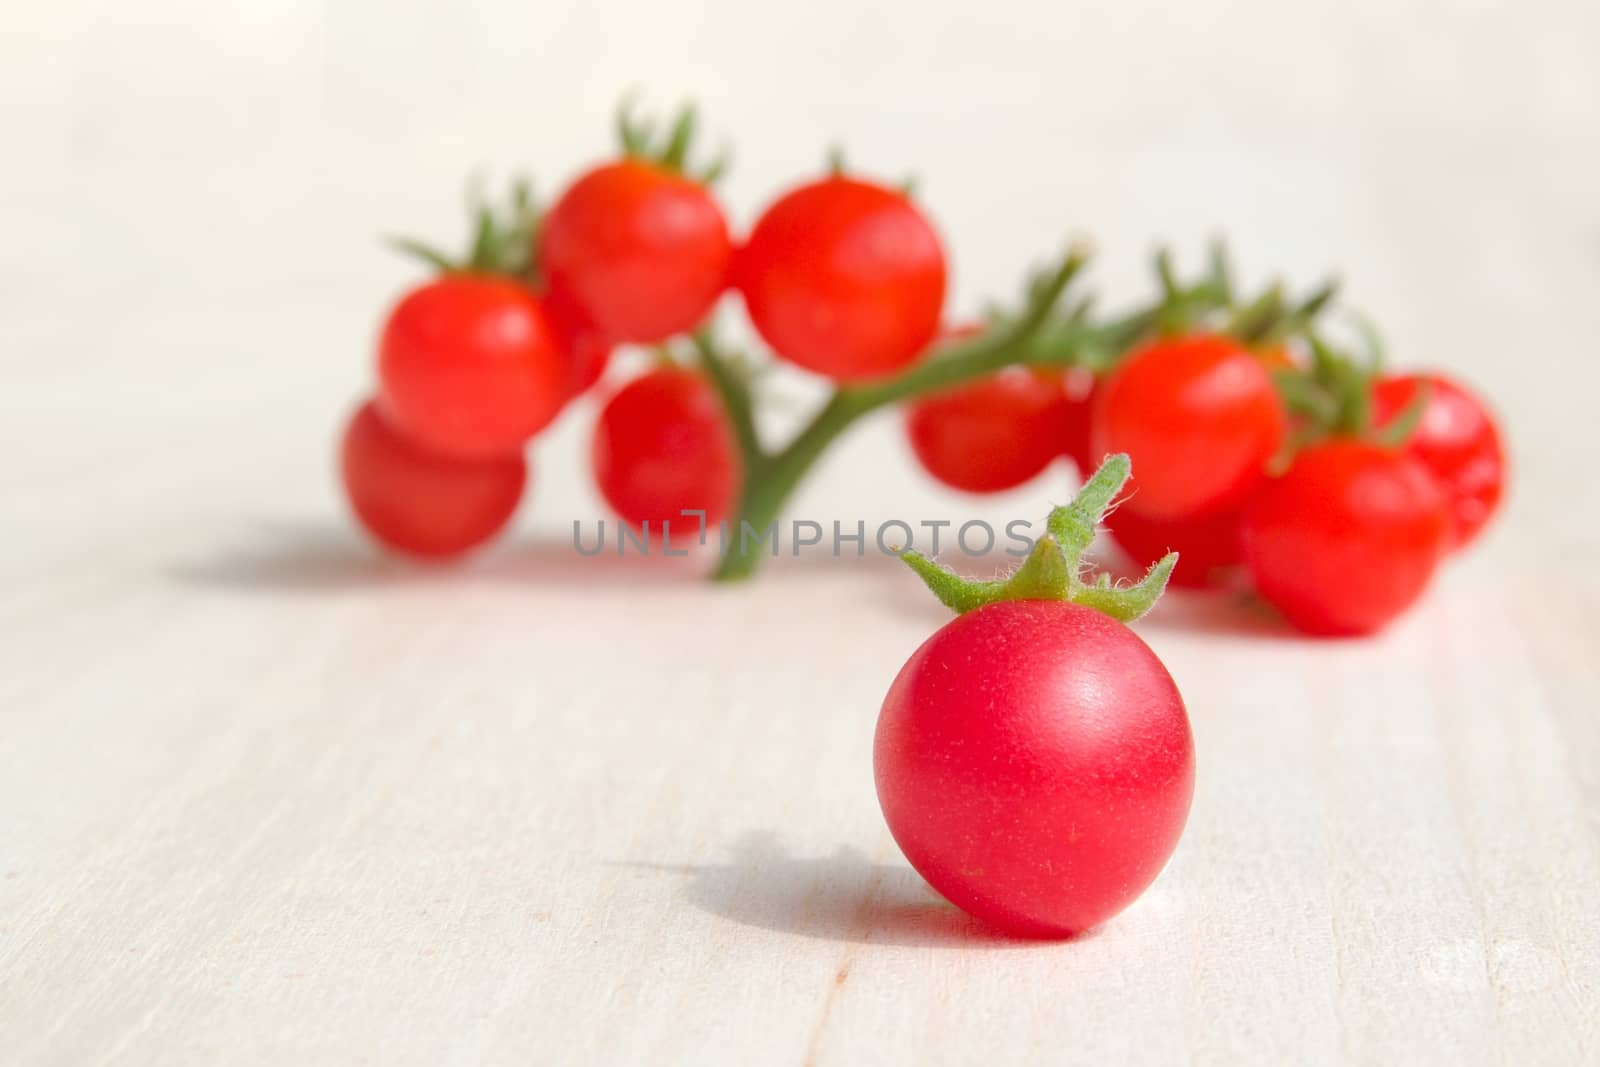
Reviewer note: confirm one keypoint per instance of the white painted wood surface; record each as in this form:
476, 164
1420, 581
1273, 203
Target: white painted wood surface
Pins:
267, 798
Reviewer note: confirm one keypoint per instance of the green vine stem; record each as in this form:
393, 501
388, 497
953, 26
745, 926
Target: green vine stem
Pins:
1036, 338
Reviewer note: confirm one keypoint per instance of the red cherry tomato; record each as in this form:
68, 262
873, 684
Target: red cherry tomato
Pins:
1209, 553
1457, 441
1347, 538
844, 278
420, 502
470, 365
663, 445
642, 250
1199, 417
989, 435
588, 351
1035, 765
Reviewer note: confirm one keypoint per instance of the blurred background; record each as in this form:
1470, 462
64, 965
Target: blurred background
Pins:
265, 802
193, 192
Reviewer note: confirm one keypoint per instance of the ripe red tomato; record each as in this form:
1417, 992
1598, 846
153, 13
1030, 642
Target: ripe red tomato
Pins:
420, 502
1347, 538
991, 434
1199, 417
588, 351
470, 365
1209, 553
642, 250
844, 278
663, 444
1457, 441
1034, 762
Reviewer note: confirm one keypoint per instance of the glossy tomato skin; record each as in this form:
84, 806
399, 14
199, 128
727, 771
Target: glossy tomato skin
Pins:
1347, 538
642, 250
989, 435
588, 351
471, 365
1035, 765
1209, 550
1199, 417
662, 445
1457, 440
844, 278
419, 502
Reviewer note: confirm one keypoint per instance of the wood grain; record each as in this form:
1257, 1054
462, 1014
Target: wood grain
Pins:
268, 798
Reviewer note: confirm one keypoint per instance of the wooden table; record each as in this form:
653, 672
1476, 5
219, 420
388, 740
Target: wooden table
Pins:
268, 798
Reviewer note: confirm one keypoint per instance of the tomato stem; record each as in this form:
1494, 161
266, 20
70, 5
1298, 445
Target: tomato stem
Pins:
734, 389
1036, 338
1054, 569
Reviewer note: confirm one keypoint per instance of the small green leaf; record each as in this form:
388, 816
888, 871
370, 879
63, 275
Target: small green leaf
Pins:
1303, 396
484, 241
676, 153
717, 167
1073, 525
427, 253
1259, 318
1399, 429
1044, 575
1128, 603
959, 594
1167, 275
1051, 571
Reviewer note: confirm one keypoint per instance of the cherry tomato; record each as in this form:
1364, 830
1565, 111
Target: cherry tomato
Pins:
1035, 764
588, 351
644, 251
663, 445
844, 278
991, 434
1347, 538
470, 365
420, 502
1209, 553
1199, 417
1457, 441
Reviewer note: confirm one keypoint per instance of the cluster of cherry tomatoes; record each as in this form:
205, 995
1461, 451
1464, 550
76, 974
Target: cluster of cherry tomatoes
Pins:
1335, 488
842, 277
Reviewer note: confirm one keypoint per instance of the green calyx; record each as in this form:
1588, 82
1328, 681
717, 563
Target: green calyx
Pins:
1268, 317
668, 148
503, 238
1332, 397
1055, 568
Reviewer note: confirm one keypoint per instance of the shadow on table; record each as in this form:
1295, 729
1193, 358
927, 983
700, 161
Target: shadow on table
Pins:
289, 557
275, 556
1217, 613
839, 897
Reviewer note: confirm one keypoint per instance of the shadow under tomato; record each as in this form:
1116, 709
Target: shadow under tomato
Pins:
1218, 613
839, 897
303, 557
